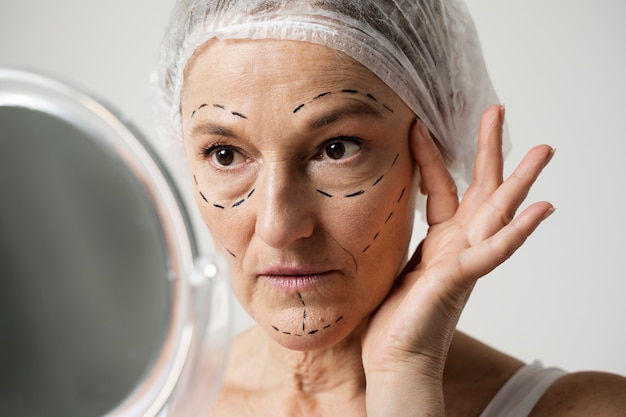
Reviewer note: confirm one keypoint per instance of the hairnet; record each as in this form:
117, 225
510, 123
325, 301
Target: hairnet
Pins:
426, 51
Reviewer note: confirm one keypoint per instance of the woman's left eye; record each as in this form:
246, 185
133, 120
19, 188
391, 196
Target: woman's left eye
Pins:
340, 149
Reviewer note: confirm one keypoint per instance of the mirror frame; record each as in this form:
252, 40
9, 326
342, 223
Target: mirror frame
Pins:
191, 278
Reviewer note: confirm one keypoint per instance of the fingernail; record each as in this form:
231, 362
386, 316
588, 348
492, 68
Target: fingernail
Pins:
502, 113
423, 129
550, 155
548, 213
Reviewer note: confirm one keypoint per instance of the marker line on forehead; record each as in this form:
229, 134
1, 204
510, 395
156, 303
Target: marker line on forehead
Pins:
350, 91
352, 108
321, 95
221, 107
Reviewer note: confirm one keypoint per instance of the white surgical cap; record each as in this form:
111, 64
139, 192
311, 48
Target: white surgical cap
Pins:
426, 51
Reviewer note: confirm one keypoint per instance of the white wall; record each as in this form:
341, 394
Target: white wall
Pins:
558, 66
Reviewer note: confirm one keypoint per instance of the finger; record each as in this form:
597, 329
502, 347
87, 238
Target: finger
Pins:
415, 259
500, 208
489, 161
442, 201
481, 259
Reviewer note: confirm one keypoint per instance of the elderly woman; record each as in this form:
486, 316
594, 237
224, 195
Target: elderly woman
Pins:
310, 129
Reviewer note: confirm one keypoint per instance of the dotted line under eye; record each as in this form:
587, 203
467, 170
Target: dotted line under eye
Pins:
237, 203
360, 192
344, 91
304, 331
221, 107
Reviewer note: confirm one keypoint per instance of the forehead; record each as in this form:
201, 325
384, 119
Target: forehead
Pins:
254, 68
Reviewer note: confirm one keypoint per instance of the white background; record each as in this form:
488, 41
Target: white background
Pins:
560, 68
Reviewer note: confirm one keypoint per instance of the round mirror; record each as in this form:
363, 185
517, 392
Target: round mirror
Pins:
105, 305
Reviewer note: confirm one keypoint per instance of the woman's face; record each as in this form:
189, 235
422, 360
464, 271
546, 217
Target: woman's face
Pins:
302, 172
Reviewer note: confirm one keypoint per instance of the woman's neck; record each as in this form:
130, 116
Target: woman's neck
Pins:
315, 372
313, 380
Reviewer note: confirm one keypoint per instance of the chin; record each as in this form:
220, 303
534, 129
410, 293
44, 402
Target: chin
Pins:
310, 343
312, 334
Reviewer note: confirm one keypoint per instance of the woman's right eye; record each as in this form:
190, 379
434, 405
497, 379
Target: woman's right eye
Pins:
223, 156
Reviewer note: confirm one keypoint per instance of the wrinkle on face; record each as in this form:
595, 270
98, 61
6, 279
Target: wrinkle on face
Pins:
278, 110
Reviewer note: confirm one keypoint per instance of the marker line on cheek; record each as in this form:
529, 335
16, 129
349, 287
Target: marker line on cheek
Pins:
401, 194
358, 193
395, 160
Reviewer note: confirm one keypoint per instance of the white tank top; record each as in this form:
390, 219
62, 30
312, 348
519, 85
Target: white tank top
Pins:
519, 395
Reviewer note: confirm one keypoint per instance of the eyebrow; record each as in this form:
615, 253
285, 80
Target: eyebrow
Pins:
208, 128
357, 108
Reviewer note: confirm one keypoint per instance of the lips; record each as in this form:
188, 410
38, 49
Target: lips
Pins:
294, 278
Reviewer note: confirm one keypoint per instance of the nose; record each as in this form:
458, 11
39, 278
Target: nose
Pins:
284, 213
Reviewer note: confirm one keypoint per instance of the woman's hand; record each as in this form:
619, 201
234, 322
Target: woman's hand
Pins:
407, 340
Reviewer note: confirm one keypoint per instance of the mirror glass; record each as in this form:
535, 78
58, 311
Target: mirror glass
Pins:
105, 306
83, 294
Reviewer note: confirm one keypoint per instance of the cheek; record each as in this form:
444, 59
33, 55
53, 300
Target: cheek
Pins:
375, 226
230, 227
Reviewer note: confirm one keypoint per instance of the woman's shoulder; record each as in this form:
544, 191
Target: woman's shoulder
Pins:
473, 375
477, 376
584, 394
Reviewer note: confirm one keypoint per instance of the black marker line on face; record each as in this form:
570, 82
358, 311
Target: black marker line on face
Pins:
304, 316
351, 91
195, 179
324, 193
234, 205
389, 217
395, 160
232, 254
401, 194
220, 106
355, 194
378, 180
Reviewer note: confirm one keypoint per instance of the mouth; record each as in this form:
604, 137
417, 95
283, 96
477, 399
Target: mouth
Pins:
294, 279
